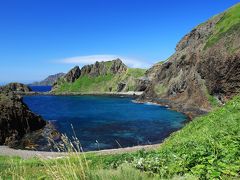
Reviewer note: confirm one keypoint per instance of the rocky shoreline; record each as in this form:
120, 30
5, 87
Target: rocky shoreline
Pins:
129, 93
38, 138
189, 112
19, 126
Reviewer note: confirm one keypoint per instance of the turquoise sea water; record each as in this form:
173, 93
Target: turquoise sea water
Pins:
110, 121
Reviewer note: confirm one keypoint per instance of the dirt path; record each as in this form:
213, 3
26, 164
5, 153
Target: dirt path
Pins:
26, 154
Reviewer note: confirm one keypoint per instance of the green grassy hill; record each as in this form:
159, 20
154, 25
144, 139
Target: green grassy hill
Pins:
102, 83
229, 23
206, 148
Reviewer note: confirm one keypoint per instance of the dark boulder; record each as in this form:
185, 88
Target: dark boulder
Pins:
121, 86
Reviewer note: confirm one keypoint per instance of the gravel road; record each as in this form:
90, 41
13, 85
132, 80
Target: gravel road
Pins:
26, 154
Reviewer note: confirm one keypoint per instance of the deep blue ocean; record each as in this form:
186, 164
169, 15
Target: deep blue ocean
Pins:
41, 88
110, 121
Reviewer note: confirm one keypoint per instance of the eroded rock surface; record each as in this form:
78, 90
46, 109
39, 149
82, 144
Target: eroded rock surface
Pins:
201, 70
72, 75
16, 119
21, 128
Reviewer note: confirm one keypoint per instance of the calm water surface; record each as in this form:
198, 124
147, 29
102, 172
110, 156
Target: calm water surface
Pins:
109, 120
41, 88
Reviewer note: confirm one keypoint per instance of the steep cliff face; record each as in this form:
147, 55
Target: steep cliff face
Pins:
205, 68
49, 81
72, 75
109, 76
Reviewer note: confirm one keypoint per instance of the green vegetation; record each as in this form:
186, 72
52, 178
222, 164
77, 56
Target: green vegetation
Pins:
229, 23
102, 83
160, 89
136, 72
206, 148
87, 84
213, 101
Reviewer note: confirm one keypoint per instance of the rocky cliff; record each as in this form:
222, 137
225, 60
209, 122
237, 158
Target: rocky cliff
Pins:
20, 128
109, 76
49, 81
205, 69
16, 119
104, 68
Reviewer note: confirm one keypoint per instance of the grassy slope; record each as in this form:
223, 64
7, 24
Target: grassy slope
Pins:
206, 148
102, 83
229, 22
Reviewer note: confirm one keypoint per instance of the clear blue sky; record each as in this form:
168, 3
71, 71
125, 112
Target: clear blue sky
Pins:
42, 37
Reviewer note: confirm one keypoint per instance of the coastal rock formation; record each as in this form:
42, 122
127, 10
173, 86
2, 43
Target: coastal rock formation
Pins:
72, 75
118, 67
18, 87
204, 69
16, 119
142, 83
104, 68
109, 76
49, 81
20, 128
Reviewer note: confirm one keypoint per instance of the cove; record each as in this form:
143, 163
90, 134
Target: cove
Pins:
103, 122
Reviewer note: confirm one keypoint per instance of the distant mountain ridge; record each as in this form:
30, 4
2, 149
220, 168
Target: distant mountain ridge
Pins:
49, 81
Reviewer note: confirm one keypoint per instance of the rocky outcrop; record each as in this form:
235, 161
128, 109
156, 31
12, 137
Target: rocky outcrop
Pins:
206, 64
72, 75
16, 119
20, 128
118, 67
108, 74
142, 83
121, 86
104, 68
17, 87
49, 81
